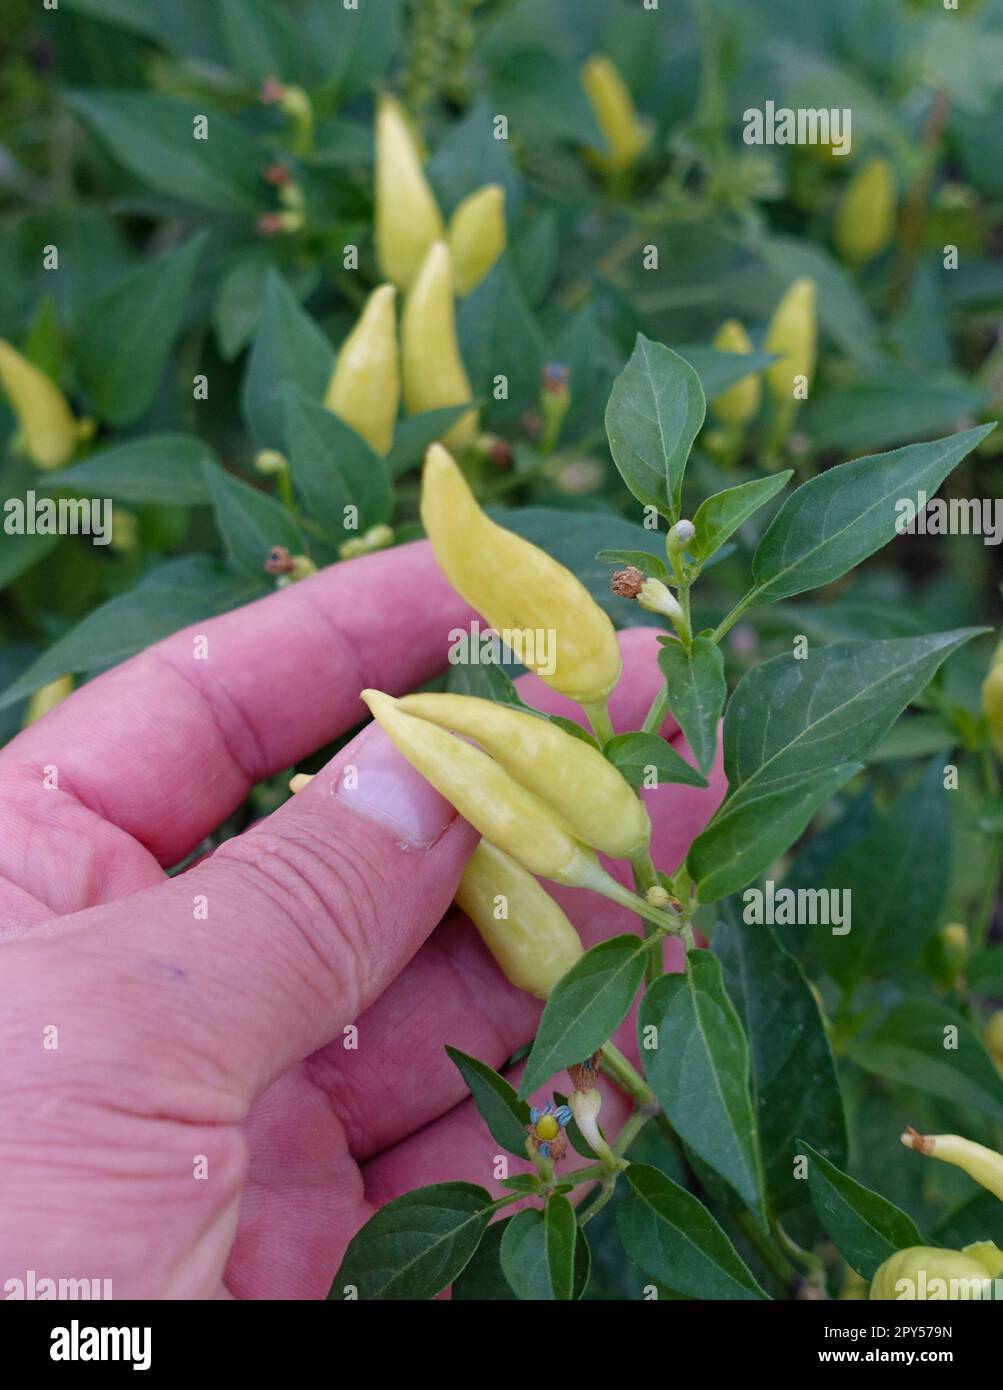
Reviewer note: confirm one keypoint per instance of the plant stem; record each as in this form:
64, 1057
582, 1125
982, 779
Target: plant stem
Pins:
914, 211
668, 921
626, 1075
598, 717
728, 622
774, 1259
655, 717
645, 878
605, 1193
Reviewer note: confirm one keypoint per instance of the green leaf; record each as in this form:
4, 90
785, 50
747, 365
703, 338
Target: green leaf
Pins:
652, 566
162, 469
485, 680
985, 972
20, 553
250, 522
351, 48
697, 691
539, 1253
838, 518
980, 1218
126, 336
747, 834
289, 348
259, 39
482, 1279
505, 1115
134, 15
720, 516
898, 880
890, 408
718, 370
414, 433
638, 755
171, 597
923, 1043
585, 1007
865, 1227
794, 1084
499, 336
333, 468
154, 138
674, 1239
416, 1245
699, 1070
654, 414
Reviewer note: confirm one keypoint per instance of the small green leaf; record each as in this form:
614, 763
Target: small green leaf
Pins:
538, 1252
289, 348
865, 1227
561, 1232
638, 755
334, 469
585, 1007
161, 469
250, 522
414, 433
654, 414
699, 1070
505, 1115
838, 518
720, 516
21, 552
499, 336
128, 332
649, 565
482, 1279
696, 688
673, 1238
416, 1245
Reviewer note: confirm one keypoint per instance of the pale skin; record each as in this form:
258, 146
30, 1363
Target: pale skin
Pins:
190, 1043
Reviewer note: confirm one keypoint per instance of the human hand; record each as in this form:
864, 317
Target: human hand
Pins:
183, 1111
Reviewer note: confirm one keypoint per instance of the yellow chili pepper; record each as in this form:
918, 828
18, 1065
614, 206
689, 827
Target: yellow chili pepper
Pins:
980, 1163
433, 371
791, 334
48, 428
625, 133
364, 389
924, 1272
485, 795
533, 942
477, 236
48, 697
518, 587
865, 219
299, 780
408, 219
992, 1036
992, 700
741, 401
570, 776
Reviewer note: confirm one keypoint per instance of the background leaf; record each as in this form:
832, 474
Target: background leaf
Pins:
250, 522
865, 1227
694, 682
289, 349
164, 469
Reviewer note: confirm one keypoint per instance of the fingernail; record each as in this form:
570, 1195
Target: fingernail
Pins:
377, 781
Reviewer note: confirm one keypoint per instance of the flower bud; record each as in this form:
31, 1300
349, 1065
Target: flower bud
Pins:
865, 220
954, 940
364, 389
741, 401
477, 236
656, 597
980, 1163
270, 461
533, 942
485, 795
585, 1106
924, 1272
518, 588
658, 896
376, 538
408, 220
992, 700
433, 371
679, 537
626, 135
791, 334
582, 787
47, 698
48, 428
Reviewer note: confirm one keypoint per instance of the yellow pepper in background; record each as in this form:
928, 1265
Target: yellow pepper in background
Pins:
741, 401
534, 943
865, 219
980, 1163
48, 697
364, 389
570, 776
930, 1272
408, 219
992, 700
518, 587
625, 133
992, 1036
433, 371
791, 333
477, 236
49, 429
486, 796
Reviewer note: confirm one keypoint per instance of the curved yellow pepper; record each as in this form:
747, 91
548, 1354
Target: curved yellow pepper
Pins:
992, 700
865, 219
408, 219
927, 1272
364, 389
477, 236
626, 135
534, 943
486, 796
570, 776
48, 427
516, 586
982, 1164
47, 698
741, 401
791, 334
433, 371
